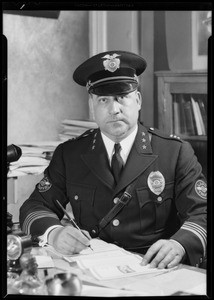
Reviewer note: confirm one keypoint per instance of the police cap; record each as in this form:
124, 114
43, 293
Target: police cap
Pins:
110, 73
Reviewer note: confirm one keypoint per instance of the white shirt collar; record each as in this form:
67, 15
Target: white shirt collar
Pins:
126, 145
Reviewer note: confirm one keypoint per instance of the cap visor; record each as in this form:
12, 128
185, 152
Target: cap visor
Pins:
114, 88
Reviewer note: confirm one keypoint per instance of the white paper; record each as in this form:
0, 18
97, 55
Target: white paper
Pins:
108, 261
96, 291
181, 280
44, 261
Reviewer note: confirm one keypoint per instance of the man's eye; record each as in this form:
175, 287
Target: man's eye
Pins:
121, 98
103, 100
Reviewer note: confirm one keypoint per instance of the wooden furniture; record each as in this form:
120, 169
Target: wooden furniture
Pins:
174, 91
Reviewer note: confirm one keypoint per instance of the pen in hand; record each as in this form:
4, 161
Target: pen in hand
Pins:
72, 221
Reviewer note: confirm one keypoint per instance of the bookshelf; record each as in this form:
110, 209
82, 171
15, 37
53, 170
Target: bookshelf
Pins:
182, 108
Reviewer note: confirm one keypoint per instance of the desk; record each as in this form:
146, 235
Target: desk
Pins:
133, 281
183, 280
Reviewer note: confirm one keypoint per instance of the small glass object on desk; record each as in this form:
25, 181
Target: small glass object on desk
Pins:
28, 282
64, 284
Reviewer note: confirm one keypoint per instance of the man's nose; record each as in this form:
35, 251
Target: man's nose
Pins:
114, 107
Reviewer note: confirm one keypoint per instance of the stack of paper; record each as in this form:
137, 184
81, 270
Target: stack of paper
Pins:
34, 159
73, 128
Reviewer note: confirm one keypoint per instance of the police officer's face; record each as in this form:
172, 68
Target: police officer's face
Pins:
116, 116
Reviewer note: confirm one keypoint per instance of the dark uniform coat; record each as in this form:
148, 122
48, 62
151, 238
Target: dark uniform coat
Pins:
168, 201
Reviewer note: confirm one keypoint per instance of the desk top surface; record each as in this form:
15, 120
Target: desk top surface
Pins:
182, 280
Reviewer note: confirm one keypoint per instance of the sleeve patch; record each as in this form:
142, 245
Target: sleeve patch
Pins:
201, 188
44, 185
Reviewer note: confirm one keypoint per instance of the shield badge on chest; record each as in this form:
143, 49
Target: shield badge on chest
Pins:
156, 182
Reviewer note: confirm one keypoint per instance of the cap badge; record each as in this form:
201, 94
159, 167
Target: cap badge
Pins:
156, 182
201, 188
112, 63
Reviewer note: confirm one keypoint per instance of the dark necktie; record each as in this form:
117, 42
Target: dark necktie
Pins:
116, 162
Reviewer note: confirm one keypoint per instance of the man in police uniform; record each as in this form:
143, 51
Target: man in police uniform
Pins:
150, 199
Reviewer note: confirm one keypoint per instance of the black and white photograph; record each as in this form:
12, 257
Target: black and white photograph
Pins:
106, 145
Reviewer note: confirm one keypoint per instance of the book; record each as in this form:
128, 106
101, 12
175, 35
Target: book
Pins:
189, 117
183, 128
200, 119
203, 113
196, 116
176, 118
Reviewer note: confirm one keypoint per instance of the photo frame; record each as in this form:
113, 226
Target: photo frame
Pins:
200, 35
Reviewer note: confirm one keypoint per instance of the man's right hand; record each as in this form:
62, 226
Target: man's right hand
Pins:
68, 240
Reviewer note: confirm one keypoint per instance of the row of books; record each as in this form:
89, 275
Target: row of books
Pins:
190, 114
72, 128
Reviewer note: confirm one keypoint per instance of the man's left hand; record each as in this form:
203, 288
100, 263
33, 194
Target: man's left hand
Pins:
164, 254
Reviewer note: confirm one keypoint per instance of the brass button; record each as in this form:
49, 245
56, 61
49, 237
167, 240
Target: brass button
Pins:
76, 197
94, 232
116, 200
159, 198
116, 222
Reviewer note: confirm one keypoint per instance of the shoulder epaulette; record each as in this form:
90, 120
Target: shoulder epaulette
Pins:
164, 135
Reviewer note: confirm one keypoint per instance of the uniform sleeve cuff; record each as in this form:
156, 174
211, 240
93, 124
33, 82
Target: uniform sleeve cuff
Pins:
43, 239
174, 241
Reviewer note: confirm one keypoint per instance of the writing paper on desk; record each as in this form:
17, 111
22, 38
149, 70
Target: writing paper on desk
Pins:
108, 261
97, 245
180, 280
123, 269
99, 291
44, 261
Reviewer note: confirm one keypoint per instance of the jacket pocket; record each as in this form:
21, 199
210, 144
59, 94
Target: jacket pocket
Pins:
155, 209
81, 198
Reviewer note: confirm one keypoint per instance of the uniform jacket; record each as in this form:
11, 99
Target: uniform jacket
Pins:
168, 201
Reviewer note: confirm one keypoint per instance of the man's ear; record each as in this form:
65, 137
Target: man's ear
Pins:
91, 106
139, 99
